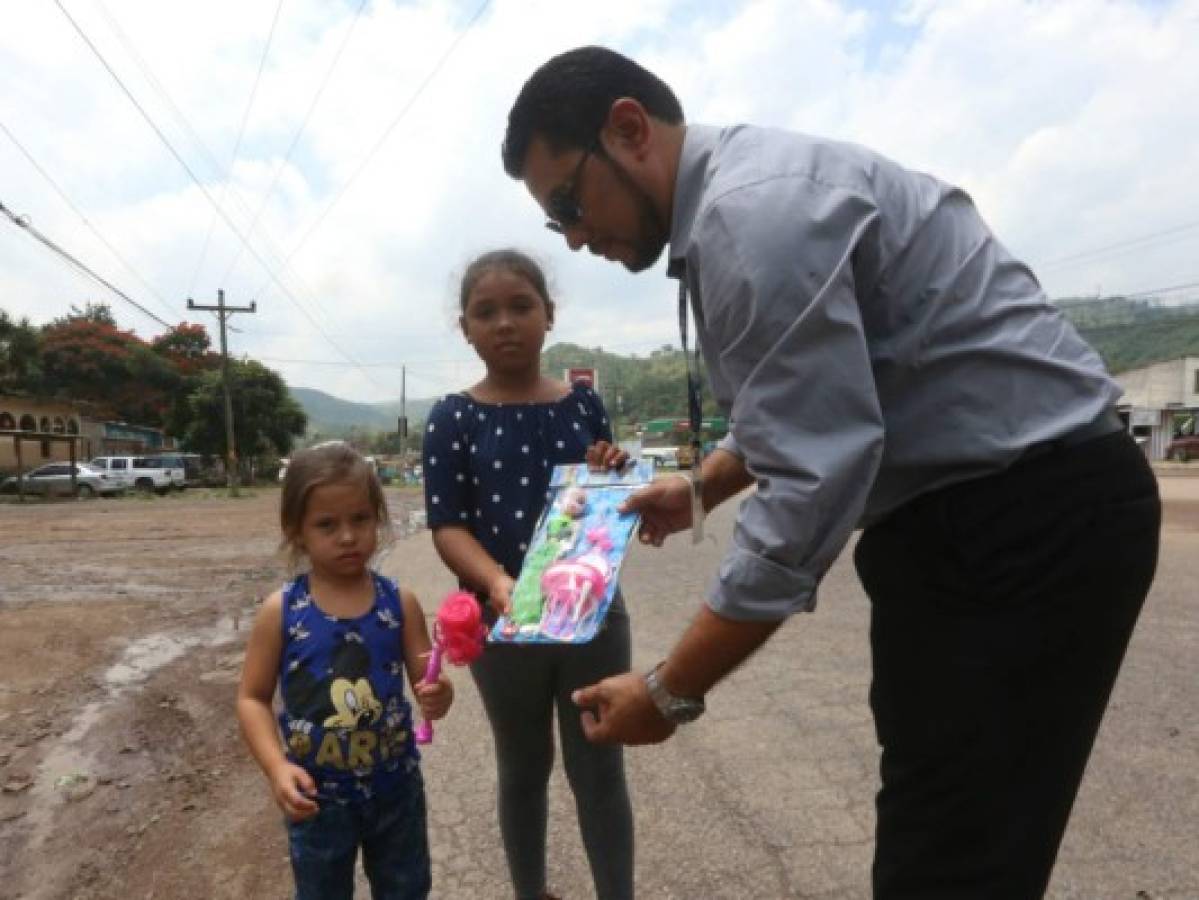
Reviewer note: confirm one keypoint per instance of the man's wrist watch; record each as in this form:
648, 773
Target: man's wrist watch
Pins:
676, 710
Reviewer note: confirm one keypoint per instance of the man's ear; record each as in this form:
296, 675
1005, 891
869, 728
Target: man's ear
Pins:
462, 325
628, 127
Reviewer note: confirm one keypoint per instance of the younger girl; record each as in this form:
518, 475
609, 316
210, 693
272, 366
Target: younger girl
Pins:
488, 453
338, 641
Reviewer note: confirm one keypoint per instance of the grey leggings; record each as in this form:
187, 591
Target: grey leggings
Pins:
520, 685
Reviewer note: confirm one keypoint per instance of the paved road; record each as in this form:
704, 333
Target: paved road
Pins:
770, 795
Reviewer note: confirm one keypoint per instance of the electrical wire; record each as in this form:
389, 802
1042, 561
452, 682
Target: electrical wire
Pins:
228, 192
241, 130
1117, 247
345, 40
23, 223
387, 132
220, 211
67, 200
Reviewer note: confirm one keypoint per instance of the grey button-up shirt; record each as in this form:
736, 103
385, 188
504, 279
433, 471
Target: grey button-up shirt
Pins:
870, 339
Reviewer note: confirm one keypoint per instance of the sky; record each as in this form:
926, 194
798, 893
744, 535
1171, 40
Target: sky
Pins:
338, 164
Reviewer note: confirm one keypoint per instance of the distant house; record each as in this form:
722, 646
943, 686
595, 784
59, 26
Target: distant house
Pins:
1159, 400
34, 417
37, 416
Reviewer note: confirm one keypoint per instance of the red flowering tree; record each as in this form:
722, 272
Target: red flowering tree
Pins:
189, 349
85, 356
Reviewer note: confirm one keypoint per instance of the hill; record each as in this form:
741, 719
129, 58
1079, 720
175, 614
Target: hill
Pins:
333, 415
634, 388
1130, 333
1125, 347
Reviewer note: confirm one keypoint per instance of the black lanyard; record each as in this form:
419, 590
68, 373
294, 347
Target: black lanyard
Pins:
695, 415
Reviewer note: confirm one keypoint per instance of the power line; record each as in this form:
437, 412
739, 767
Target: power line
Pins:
299, 132
327, 362
1164, 290
203, 151
220, 211
1118, 246
1130, 295
67, 200
184, 124
245, 117
23, 222
388, 130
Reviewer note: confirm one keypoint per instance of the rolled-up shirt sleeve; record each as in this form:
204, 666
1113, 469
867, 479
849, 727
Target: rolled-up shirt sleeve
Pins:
771, 267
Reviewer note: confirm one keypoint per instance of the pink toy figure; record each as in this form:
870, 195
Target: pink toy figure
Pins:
574, 502
458, 633
572, 587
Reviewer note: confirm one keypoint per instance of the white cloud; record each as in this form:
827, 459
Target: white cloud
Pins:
1071, 123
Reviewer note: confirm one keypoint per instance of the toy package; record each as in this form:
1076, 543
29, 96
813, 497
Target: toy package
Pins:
570, 572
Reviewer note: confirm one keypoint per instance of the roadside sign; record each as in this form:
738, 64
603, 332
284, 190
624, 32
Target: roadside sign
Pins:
588, 375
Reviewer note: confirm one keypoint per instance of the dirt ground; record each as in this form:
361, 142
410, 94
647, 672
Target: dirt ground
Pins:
121, 627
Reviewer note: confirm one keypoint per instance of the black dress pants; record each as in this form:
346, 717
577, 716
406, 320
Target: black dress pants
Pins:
1001, 610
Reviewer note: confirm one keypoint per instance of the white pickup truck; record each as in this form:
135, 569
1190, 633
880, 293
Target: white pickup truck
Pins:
140, 473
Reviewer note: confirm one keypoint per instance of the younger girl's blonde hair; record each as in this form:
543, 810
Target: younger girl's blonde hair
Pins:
334, 462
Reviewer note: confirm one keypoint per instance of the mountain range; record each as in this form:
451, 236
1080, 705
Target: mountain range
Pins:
1127, 332
332, 415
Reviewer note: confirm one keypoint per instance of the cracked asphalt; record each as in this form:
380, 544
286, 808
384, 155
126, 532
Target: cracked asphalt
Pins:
770, 795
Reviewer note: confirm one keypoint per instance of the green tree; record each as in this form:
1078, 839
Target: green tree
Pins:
188, 349
99, 313
633, 389
20, 354
266, 419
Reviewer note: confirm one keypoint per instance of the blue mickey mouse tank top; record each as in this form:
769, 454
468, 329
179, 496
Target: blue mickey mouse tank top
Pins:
345, 717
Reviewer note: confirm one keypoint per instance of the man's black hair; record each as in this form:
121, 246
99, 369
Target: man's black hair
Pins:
567, 100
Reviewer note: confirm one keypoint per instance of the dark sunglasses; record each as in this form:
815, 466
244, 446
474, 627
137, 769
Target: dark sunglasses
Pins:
562, 204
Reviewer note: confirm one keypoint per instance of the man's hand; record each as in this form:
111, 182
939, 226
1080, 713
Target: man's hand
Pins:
665, 507
602, 455
626, 714
294, 789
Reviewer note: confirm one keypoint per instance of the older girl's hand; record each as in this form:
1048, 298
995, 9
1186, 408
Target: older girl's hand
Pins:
499, 593
604, 455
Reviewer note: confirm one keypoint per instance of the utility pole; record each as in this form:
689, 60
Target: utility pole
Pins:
402, 425
223, 313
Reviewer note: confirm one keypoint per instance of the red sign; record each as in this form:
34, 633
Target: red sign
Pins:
589, 376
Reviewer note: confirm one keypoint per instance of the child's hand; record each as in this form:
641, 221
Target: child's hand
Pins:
294, 790
603, 455
434, 698
499, 593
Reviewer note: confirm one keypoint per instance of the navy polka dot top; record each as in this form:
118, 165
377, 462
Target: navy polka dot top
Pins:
487, 465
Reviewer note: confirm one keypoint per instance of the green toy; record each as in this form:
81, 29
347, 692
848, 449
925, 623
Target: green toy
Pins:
527, 599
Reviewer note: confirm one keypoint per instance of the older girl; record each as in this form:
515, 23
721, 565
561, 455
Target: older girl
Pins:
488, 453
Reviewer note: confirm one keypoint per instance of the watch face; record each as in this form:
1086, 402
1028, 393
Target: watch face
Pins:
678, 710
683, 710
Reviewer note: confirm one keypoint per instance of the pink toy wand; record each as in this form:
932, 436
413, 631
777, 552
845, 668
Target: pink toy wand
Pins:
458, 633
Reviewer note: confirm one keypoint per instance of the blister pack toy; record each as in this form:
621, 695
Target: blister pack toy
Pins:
569, 575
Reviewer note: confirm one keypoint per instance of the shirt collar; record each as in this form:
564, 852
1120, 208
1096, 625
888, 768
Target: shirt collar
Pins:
699, 142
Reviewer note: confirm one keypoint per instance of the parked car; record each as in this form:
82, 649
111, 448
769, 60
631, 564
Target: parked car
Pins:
175, 466
141, 473
1183, 447
663, 457
54, 479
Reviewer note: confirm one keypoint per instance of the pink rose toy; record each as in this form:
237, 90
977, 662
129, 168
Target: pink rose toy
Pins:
458, 633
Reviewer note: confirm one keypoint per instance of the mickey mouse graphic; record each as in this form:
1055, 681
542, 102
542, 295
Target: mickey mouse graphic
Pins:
343, 700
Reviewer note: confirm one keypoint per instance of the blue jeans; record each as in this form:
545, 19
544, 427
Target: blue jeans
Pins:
395, 847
